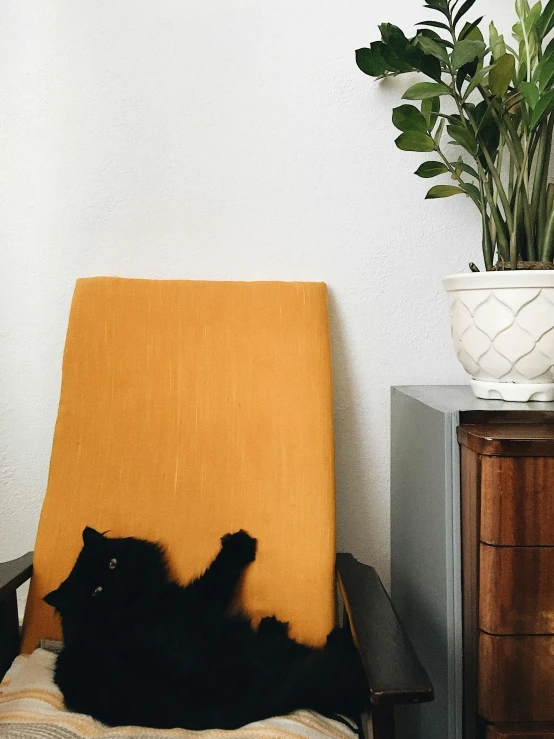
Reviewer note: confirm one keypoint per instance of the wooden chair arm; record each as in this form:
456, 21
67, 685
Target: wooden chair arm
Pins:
15, 573
393, 670
12, 575
394, 673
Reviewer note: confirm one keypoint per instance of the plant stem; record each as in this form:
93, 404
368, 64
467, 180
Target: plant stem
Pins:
548, 249
501, 145
488, 246
453, 171
542, 184
503, 242
529, 231
520, 191
499, 187
549, 198
502, 237
539, 173
493, 171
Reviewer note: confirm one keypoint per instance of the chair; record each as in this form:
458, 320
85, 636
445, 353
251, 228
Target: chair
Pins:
189, 409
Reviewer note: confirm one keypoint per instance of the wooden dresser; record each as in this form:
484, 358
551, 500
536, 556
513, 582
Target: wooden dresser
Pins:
472, 534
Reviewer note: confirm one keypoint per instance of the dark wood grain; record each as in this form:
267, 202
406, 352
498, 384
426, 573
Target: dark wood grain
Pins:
516, 678
521, 731
9, 631
517, 590
383, 722
499, 416
470, 509
509, 439
395, 674
15, 573
518, 501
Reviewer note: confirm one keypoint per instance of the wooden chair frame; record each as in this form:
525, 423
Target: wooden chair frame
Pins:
394, 673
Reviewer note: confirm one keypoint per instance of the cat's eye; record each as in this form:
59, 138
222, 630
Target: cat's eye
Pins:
97, 590
113, 563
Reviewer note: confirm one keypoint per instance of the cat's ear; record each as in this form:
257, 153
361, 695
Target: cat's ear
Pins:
91, 536
59, 598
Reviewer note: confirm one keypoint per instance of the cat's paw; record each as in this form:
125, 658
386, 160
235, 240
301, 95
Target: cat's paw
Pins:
271, 626
240, 545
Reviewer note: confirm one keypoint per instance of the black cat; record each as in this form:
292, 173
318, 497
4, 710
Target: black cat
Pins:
140, 649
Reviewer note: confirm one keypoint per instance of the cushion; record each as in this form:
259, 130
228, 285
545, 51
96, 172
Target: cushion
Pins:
189, 410
31, 707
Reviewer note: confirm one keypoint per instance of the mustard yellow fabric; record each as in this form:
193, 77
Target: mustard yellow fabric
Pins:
189, 409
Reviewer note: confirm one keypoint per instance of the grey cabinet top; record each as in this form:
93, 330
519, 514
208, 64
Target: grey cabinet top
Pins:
460, 399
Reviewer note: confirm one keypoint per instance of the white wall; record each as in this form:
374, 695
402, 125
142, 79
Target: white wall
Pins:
218, 140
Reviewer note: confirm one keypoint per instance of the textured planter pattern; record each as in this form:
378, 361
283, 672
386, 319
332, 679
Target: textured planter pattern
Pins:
505, 335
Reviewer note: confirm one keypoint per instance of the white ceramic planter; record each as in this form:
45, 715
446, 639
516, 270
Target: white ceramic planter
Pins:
503, 332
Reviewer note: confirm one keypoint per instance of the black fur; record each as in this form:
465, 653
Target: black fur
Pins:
140, 649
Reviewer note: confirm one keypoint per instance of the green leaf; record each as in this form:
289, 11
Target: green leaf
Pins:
473, 192
414, 141
434, 24
466, 7
546, 72
430, 46
542, 108
546, 56
466, 51
443, 191
439, 5
464, 137
532, 17
472, 34
395, 47
429, 65
392, 35
501, 74
393, 61
488, 131
530, 93
423, 90
522, 8
468, 29
431, 169
497, 43
440, 131
549, 49
370, 63
546, 21
468, 70
376, 48
408, 118
430, 108
478, 78
463, 167
429, 33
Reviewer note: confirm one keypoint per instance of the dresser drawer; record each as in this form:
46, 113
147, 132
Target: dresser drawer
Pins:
516, 590
516, 678
520, 731
517, 501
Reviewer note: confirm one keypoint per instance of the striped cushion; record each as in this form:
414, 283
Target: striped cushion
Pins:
31, 707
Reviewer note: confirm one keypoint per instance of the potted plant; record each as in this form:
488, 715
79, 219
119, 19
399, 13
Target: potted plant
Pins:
494, 101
